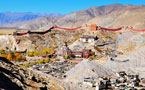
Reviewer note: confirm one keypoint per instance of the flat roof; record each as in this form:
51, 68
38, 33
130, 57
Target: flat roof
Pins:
87, 36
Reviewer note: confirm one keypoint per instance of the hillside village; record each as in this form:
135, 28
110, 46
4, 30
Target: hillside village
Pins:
86, 57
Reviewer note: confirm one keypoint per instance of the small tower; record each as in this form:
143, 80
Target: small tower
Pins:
93, 27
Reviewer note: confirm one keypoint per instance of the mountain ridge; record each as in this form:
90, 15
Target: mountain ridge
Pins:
78, 18
14, 17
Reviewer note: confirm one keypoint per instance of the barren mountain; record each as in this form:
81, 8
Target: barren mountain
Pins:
34, 24
11, 18
103, 15
73, 19
129, 16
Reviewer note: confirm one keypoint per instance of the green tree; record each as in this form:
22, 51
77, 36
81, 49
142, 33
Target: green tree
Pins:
56, 59
93, 56
24, 64
46, 51
47, 60
52, 48
2, 51
54, 56
35, 53
39, 62
31, 54
12, 55
90, 57
42, 61
72, 56
66, 57
31, 64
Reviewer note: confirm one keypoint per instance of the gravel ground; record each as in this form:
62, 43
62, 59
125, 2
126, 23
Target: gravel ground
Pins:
86, 69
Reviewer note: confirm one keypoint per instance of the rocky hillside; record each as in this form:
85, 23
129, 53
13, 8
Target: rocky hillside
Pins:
103, 14
10, 18
130, 16
7, 41
72, 19
55, 38
15, 77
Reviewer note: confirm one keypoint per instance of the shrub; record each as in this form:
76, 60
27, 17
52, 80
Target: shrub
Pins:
93, 56
30, 54
19, 60
42, 61
2, 51
72, 56
66, 57
45, 51
9, 57
19, 57
12, 55
54, 56
47, 60
39, 62
56, 59
24, 64
90, 57
3, 55
31, 64
35, 53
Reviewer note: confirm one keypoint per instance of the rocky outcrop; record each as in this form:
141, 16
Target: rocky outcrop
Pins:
8, 41
55, 38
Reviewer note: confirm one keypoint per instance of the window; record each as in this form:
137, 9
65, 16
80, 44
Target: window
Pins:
87, 39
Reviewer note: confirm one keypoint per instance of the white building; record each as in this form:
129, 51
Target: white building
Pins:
87, 38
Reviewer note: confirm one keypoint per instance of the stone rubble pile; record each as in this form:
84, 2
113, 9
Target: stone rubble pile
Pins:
55, 69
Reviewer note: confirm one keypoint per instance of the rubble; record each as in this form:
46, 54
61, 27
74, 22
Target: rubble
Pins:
56, 69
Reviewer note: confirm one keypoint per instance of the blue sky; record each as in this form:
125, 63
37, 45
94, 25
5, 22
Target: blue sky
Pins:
57, 6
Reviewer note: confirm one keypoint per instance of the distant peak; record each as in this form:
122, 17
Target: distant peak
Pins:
142, 5
116, 4
128, 5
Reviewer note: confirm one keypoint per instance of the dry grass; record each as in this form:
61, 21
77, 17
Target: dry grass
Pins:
143, 35
5, 31
1, 34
